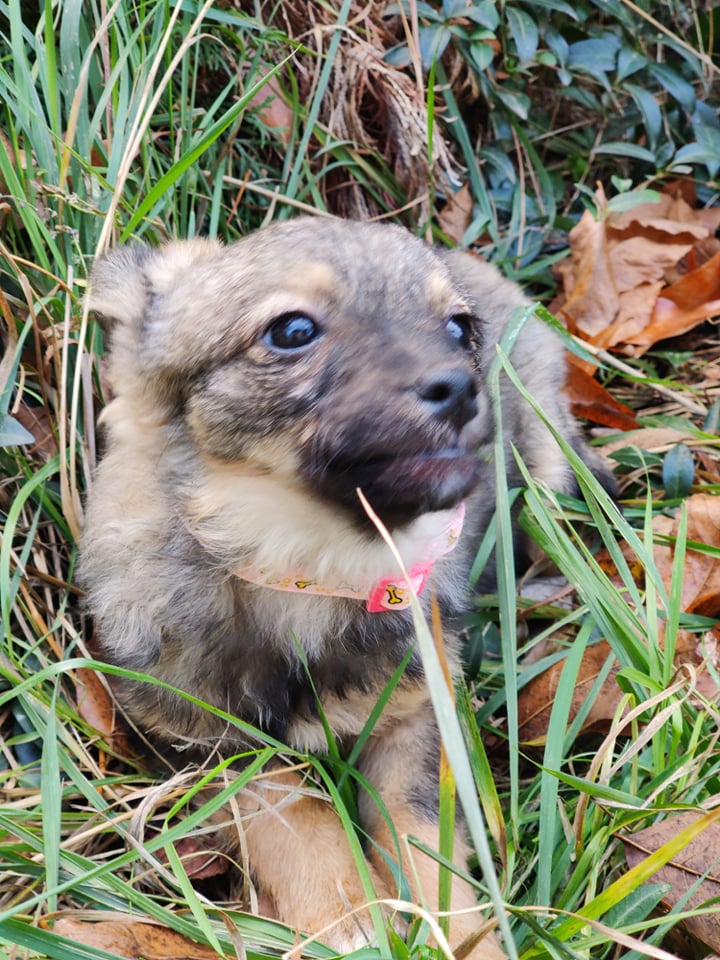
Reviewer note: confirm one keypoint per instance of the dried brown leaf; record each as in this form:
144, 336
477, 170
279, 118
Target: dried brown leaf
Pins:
133, 939
634, 312
640, 276
97, 709
699, 859
641, 260
456, 215
272, 109
591, 300
652, 439
591, 401
671, 213
38, 421
200, 862
700, 594
701, 571
537, 698
693, 298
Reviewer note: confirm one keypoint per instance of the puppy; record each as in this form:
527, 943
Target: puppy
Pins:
256, 388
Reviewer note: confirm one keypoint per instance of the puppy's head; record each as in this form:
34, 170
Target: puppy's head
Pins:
336, 355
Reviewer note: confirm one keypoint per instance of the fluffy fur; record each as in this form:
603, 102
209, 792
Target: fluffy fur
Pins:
255, 388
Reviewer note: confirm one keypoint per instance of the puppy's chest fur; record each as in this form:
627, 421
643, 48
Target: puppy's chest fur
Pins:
275, 659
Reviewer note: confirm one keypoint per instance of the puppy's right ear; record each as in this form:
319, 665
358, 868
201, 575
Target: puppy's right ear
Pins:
119, 287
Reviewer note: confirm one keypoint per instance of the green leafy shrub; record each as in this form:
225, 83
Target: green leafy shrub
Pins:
557, 95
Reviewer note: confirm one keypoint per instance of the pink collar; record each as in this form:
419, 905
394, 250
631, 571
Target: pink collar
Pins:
387, 593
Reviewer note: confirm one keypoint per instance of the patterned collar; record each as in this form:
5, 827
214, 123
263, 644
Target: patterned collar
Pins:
389, 593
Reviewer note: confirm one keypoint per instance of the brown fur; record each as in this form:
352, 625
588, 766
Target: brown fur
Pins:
225, 450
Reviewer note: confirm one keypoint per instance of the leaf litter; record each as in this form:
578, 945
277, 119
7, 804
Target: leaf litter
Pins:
639, 276
634, 278
692, 875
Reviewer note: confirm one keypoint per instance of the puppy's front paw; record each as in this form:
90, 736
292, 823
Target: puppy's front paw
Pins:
300, 856
334, 909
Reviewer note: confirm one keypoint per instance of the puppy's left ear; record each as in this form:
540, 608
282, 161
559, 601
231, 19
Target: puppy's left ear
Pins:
126, 282
118, 286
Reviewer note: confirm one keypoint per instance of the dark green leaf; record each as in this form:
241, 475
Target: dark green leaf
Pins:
398, 56
632, 199
558, 45
635, 458
485, 13
627, 150
481, 55
517, 103
699, 153
423, 9
524, 32
594, 56
433, 41
675, 85
629, 61
454, 8
557, 6
678, 471
648, 107
500, 162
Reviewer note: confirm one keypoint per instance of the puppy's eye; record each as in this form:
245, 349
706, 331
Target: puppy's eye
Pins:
459, 326
292, 331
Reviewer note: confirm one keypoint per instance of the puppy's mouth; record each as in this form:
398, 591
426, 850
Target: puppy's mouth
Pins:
399, 486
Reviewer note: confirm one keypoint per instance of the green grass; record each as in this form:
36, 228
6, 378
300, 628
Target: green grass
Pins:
141, 121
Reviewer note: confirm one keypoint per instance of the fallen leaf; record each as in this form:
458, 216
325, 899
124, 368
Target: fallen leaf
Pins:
272, 109
536, 699
635, 309
699, 286
640, 260
700, 653
39, 422
708, 466
701, 571
591, 401
97, 709
200, 862
590, 302
644, 275
670, 218
700, 858
652, 439
700, 595
684, 304
133, 940
456, 216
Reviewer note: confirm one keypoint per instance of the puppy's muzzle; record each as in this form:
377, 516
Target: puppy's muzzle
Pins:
410, 453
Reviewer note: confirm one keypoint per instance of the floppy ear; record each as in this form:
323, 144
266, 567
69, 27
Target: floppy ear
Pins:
129, 287
125, 281
118, 287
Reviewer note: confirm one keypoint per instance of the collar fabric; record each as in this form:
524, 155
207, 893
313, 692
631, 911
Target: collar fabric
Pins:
391, 592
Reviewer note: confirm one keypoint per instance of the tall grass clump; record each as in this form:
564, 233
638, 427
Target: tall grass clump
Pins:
140, 121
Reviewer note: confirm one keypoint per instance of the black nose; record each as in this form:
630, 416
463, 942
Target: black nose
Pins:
450, 395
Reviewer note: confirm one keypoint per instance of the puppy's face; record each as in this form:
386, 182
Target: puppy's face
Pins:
337, 355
